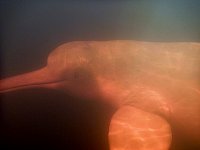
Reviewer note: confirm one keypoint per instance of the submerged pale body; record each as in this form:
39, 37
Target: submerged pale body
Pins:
152, 80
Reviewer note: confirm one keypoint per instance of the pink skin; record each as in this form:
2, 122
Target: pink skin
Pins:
142, 79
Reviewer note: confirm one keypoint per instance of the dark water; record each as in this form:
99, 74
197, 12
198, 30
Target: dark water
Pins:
46, 119
31, 29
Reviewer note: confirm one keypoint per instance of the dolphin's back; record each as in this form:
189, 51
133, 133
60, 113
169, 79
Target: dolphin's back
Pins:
123, 59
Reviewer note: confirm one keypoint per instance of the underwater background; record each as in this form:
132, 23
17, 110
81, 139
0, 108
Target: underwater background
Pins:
30, 30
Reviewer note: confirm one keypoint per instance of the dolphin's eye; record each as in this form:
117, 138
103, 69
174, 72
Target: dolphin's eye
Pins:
76, 75
81, 75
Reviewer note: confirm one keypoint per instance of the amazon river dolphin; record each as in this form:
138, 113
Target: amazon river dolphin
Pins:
154, 85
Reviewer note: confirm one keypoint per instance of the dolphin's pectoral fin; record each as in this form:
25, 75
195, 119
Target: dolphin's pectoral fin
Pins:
135, 129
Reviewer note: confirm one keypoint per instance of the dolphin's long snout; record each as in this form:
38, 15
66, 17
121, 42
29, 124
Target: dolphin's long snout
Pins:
36, 78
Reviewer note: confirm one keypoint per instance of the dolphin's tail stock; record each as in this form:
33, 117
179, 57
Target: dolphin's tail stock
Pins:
38, 78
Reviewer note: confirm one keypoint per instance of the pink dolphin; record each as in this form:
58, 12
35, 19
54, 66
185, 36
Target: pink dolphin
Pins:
153, 85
